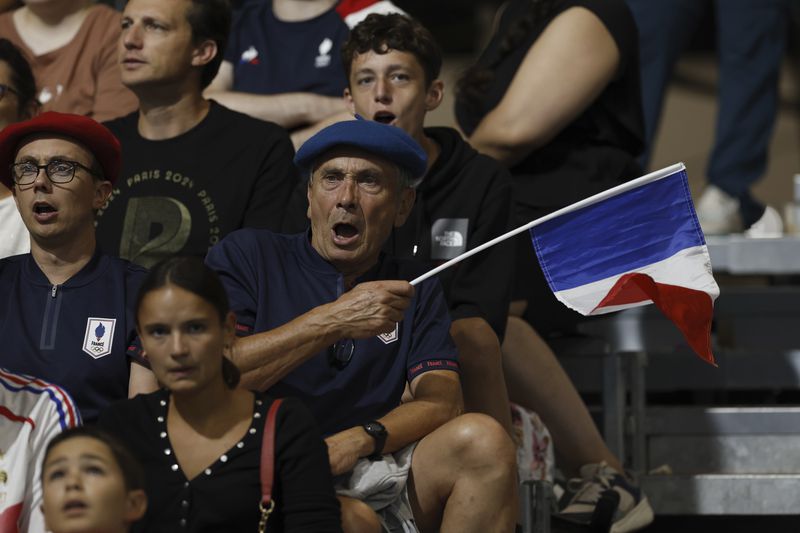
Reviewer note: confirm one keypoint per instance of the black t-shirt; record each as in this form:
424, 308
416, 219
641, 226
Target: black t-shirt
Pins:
463, 201
598, 149
225, 496
182, 195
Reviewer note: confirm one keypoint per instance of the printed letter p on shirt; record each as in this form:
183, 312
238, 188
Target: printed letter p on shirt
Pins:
99, 336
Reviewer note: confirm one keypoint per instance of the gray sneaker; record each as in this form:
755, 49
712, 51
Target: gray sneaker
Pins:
606, 500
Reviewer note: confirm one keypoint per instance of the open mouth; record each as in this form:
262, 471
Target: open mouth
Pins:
345, 230
42, 208
384, 117
44, 213
344, 234
74, 506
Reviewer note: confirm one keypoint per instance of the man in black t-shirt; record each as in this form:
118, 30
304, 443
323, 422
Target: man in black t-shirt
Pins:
193, 170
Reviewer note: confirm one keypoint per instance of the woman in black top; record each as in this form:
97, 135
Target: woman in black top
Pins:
555, 96
199, 438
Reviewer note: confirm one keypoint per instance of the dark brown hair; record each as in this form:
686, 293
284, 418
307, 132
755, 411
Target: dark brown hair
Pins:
132, 472
210, 19
383, 33
21, 77
191, 274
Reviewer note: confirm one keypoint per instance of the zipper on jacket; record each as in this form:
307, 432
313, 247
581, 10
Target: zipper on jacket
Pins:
47, 341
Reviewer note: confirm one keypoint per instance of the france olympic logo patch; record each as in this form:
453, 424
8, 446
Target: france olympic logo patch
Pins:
99, 336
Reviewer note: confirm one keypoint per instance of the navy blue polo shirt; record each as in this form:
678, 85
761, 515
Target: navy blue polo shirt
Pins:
79, 335
272, 279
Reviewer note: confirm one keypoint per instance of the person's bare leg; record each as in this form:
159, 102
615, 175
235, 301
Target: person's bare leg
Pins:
358, 517
536, 381
464, 478
481, 362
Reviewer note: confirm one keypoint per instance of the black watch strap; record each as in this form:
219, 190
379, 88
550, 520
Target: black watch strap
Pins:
378, 432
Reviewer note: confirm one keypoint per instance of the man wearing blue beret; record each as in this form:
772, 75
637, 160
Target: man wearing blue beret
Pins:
325, 316
393, 65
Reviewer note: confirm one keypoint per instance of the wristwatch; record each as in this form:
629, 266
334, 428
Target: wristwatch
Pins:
377, 431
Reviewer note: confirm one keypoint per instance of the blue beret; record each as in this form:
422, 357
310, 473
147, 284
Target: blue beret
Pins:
389, 142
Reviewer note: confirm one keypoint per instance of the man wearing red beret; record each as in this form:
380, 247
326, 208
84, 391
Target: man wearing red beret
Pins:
66, 308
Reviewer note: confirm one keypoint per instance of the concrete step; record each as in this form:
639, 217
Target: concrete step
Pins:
683, 371
724, 440
720, 494
728, 454
733, 420
725, 460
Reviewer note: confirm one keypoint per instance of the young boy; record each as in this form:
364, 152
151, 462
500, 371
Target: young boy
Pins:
91, 483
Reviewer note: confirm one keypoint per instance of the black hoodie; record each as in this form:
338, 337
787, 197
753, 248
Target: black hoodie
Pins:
463, 201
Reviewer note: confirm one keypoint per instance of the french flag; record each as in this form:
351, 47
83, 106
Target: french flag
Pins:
635, 244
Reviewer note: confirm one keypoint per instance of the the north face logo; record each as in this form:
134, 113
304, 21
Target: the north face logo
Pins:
450, 239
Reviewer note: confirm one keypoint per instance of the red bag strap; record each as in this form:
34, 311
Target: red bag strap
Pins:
268, 453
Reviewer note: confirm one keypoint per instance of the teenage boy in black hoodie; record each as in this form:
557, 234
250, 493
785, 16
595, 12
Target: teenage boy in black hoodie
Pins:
392, 65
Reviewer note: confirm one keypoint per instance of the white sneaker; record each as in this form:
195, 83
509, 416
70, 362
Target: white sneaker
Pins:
718, 212
607, 500
770, 225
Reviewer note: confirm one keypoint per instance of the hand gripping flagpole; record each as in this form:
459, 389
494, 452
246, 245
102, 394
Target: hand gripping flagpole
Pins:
653, 176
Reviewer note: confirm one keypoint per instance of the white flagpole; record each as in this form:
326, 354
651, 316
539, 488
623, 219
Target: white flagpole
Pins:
653, 176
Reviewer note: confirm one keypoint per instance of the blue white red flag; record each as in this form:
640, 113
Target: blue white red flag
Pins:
633, 245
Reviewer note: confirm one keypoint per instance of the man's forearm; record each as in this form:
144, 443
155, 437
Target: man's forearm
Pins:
265, 358
366, 310
300, 136
290, 110
411, 421
141, 380
438, 401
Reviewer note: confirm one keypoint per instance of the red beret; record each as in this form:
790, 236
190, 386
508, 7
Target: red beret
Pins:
90, 133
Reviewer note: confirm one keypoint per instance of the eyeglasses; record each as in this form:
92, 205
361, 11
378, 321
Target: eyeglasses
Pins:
340, 353
57, 171
7, 89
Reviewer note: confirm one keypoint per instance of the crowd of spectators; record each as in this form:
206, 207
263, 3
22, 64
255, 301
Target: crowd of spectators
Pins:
271, 167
